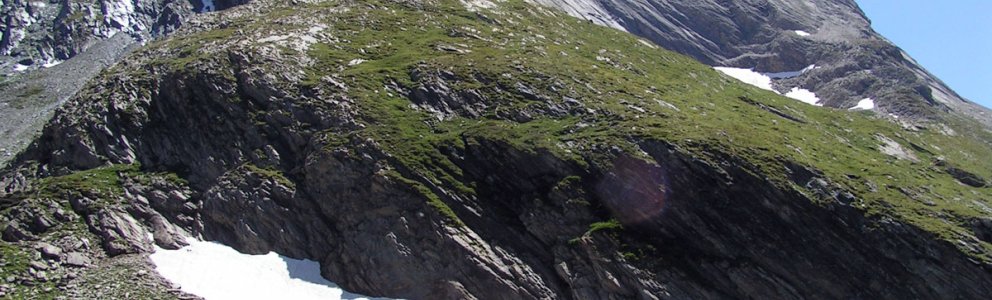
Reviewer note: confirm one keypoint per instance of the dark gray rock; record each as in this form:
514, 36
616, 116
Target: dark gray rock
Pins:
983, 229
165, 234
264, 207
38, 265
49, 251
121, 233
14, 233
966, 177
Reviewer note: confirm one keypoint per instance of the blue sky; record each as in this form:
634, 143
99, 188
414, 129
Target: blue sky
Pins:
952, 39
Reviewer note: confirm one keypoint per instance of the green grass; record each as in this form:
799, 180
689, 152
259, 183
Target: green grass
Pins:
625, 87
104, 184
104, 181
612, 224
16, 260
432, 199
188, 50
271, 173
609, 225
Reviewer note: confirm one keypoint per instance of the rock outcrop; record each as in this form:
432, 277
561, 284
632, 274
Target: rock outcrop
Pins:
50, 49
546, 158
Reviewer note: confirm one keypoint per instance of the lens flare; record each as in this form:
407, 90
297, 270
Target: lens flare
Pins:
634, 190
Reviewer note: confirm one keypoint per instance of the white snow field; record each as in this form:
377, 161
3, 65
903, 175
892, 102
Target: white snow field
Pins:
802, 33
217, 272
764, 81
748, 76
865, 104
804, 95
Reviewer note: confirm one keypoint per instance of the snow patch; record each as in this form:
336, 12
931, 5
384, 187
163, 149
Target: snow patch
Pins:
802, 33
355, 62
748, 76
20, 68
51, 62
214, 271
804, 95
764, 81
864, 104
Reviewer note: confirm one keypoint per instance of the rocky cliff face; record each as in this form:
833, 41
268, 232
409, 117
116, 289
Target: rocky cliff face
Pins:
43, 33
484, 150
40, 34
852, 62
50, 49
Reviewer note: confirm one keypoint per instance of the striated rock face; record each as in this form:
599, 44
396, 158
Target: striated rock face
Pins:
852, 62
422, 150
37, 33
50, 49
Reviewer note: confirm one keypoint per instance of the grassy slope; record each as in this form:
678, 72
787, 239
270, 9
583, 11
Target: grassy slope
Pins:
624, 80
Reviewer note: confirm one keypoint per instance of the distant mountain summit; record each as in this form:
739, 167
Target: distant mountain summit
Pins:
850, 61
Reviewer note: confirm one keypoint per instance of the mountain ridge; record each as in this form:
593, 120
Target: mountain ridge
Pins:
855, 62
422, 149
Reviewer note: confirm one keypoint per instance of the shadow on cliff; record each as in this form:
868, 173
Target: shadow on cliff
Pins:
309, 271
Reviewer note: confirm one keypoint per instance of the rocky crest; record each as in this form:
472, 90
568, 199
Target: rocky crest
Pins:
450, 150
852, 62
50, 49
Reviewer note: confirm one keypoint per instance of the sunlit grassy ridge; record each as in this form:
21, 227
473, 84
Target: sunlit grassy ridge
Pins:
633, 91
